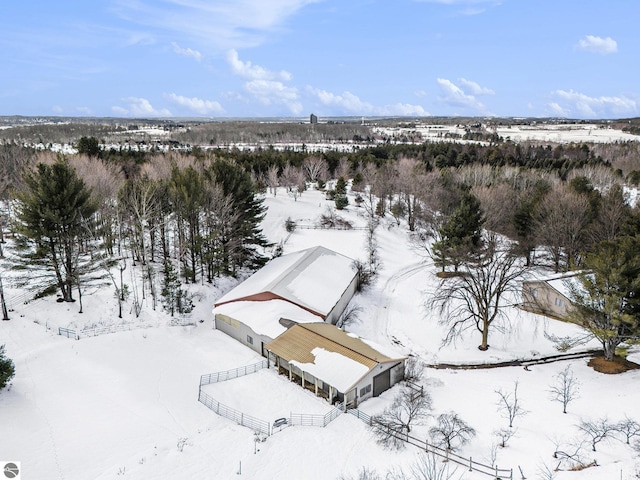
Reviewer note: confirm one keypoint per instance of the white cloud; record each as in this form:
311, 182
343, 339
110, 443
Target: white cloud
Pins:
470, 7
573, 103
347, 102
84, 110
474, 88
139, 107
214, 24
186, 52
57, 109
594, 44
270, 92
404, 109
253, 72
198, 105
455, 95
558, 110
461, 2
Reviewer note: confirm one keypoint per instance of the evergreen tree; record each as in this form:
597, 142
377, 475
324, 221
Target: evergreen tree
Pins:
53, 212
88, 146
607, 299
241, 249
7, 368
461, 233
174, 298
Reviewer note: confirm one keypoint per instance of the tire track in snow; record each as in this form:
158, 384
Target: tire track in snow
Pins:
389, 288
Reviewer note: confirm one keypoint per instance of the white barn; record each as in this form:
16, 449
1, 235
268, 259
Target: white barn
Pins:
307, 286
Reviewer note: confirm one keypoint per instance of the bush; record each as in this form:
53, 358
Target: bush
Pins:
7, 369
341, 202
290, 225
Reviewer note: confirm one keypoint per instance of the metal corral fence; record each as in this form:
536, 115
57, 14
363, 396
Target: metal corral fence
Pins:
229, 374
308, 420
469, 463
240, 418
94, 332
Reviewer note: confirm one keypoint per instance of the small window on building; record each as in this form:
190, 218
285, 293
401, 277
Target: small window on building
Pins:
534, 292
559, 302
249, 339
365, 390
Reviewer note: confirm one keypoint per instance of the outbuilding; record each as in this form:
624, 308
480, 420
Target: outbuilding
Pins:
551, 295
336, 365
310, 285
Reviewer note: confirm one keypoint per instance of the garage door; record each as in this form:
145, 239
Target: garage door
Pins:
381, 383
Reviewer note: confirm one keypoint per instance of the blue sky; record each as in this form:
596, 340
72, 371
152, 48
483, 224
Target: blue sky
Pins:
258, 58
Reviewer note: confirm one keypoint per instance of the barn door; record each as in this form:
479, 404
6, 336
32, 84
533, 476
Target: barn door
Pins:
381, 382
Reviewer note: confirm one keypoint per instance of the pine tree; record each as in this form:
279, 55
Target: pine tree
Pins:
7, 368
461, 233
54, 211
607, 299
174, 298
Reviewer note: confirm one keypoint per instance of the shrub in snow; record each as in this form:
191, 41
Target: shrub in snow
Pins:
7, 369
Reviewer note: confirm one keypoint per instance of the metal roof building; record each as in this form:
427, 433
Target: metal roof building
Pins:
335, 364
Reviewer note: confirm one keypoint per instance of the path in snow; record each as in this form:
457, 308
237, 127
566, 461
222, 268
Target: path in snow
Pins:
381, 318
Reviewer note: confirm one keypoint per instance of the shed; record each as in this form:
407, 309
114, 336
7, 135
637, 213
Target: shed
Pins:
334, 364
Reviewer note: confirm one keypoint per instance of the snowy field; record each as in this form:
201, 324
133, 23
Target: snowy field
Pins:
124, 405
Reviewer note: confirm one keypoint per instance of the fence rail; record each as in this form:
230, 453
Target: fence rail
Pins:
309, 420
240, 418
469, 463
94, 332
322, 227
229, 374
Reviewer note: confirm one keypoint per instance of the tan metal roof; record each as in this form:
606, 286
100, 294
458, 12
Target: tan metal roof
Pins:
298, 342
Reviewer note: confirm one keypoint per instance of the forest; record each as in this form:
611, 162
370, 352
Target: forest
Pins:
188, 216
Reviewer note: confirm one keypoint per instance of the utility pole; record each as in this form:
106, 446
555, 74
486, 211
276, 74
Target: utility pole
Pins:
5, 313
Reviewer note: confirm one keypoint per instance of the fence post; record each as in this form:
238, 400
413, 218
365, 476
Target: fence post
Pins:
470, 464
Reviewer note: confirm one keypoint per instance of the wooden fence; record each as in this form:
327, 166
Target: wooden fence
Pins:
472, 465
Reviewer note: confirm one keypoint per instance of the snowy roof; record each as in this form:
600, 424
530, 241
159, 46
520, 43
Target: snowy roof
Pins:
314, 279
563, 282
264, 317
328, 353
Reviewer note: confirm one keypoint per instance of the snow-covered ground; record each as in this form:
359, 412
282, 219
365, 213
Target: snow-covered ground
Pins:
124, 405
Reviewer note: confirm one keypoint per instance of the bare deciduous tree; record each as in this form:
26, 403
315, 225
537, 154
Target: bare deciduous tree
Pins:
566, 388
561, 219
504, 435
451, 431
596, 431
629, 428
408, 408
315, 168
477, 297
509, 404
293, 179
272, 179
430, 467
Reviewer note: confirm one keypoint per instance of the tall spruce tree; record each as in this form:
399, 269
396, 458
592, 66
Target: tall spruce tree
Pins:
461, 233
241, 248
53, 211
607, 299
